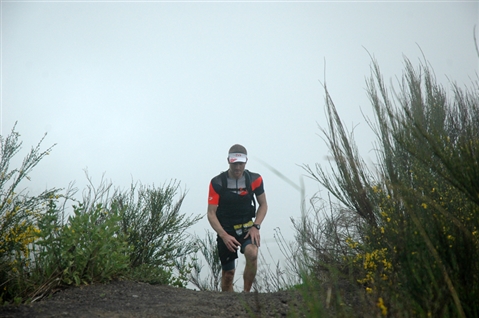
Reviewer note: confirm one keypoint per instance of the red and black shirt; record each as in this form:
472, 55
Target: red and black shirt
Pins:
234, 200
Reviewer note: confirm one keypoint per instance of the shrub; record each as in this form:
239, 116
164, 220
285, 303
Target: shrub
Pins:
18, 214
155, 228
87, 249
414, 245
111, 234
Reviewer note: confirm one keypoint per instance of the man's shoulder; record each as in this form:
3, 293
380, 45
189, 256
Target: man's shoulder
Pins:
217, 179
253, 175
256, 181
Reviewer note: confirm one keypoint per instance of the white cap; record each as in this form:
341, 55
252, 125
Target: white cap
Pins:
237, 157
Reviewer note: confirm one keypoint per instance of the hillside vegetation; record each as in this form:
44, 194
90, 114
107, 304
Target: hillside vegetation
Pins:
397, 239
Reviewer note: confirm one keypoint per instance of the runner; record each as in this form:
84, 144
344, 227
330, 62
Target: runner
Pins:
231, 209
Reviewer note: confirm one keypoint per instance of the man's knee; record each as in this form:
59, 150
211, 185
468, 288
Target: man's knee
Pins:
251, 253
228, 276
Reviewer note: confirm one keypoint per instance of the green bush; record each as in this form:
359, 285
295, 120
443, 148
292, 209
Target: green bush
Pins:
137, 234
431, 176
87, 249
18, 214
412, 242
156, 232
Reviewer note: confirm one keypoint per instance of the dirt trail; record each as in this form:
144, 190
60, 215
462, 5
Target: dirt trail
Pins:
133, 299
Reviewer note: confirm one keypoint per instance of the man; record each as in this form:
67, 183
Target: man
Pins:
231, 208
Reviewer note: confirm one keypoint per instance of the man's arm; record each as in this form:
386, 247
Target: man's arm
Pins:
260, 215
262, 208
230, 242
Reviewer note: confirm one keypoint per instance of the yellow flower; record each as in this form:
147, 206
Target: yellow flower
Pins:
375, 189
424, 205
384, 309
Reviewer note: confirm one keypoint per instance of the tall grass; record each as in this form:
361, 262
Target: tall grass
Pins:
208, 253
406, 232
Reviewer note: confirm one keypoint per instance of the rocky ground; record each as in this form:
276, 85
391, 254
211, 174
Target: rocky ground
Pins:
133, 299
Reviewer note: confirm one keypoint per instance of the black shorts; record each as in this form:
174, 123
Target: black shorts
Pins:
227, 257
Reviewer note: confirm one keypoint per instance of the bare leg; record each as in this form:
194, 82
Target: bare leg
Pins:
227, 278
251, 255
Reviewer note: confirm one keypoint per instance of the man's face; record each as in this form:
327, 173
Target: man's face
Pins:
237, 169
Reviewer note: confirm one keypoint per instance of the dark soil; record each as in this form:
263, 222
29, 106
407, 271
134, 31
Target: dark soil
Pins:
133, 299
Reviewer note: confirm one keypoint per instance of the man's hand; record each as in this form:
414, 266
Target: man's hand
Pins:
253, 233
231, 243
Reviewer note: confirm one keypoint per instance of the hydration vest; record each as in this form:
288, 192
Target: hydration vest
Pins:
234, 208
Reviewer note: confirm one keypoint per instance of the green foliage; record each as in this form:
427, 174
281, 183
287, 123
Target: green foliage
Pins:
414, 245
136, 235
432, 180
155, 228
87, 249
100, 249
18, 214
